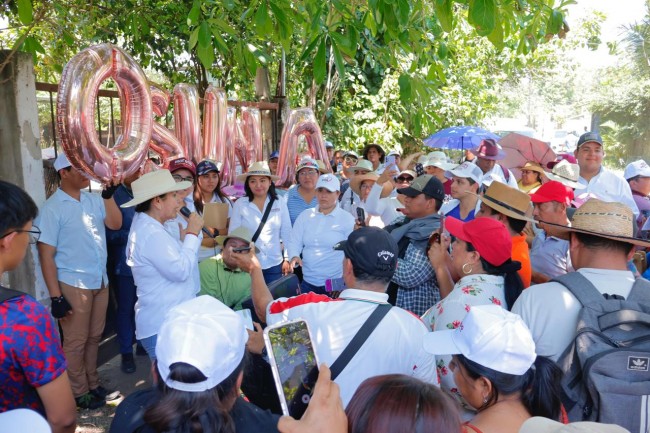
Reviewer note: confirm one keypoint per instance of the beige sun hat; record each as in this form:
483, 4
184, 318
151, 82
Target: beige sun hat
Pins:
540, 424
438, 159
533, 166
567, 174
152, 185
239, 233
508, 201
609, 220
355, 184
322, 168
259, 168
362, 164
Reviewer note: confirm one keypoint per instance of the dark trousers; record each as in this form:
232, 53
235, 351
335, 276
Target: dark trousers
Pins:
305, 287
125, 291
273, 273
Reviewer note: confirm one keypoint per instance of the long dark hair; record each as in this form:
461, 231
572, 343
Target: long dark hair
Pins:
396, 403
513, 286
249, 193
539, 387
198, 196
193, 412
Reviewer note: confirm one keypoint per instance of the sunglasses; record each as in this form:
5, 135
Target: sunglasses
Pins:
350, 160
405, 179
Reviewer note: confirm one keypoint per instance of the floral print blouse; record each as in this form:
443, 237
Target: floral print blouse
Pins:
479, 289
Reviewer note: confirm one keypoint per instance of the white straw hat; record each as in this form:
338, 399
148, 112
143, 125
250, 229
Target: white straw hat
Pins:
362, 164
438, 159
259, 168
152, 185
490, 336
205, 334
566, 173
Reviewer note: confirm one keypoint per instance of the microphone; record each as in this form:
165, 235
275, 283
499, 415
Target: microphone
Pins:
186, 213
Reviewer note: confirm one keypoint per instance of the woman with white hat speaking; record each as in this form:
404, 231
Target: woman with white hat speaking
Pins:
163, 266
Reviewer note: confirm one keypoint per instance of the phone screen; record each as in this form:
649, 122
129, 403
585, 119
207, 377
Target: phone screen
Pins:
390, 160
294, 365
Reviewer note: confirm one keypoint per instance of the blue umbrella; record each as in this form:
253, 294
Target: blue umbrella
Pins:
459, 137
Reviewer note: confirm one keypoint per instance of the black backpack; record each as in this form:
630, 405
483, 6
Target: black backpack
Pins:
606, 367
6, 294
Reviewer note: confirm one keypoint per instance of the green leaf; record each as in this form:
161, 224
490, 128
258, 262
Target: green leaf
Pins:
371, 24
496, 37
443, 49
445, 15
25, 11
482, 15
205, 50
223, 26
309, 49
31, 45
195, 12
338, 60
263, 23
405, 89
319, 63
404, 10
229, 4
221, 44
194, 37
555, 22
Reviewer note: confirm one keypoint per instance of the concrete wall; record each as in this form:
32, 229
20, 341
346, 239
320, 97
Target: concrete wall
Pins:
20, 153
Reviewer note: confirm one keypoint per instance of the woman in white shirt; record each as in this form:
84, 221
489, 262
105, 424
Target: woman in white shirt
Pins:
208, 190
163, 265
248, 212
362, 185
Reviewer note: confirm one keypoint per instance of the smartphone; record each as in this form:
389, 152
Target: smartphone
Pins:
361, 216
294, 364
241, 250
335, 285
390, 160
247, 317
436, 237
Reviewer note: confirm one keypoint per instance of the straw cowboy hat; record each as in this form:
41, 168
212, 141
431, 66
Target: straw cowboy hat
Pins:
609, 220
152, 185
239, 233
355, 184
533, 166
508, 201
362, 164
566, 173
259, 168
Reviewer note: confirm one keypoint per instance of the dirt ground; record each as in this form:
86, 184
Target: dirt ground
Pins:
99, 420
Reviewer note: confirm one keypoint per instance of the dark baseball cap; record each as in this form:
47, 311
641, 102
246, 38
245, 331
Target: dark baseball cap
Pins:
425, 184
589, 137
205, 167
274, 155
372, 250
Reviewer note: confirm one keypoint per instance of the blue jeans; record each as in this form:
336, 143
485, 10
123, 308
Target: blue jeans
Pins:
273, 273
125, 292
149, 345
305, 287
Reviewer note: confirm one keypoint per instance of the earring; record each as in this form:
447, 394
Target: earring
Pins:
465, 271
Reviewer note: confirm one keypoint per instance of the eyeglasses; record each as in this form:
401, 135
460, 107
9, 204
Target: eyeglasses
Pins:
35, 233
350, 160
307, 172
179, 178
366, 186
404, 179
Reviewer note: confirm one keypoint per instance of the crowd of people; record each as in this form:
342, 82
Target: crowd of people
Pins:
462, 287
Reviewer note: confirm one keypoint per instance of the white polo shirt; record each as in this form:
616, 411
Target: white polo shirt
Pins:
276, 230
608, 186
394, 347
314, 234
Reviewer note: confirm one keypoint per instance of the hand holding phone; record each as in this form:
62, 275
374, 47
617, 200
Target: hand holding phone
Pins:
436, 236
390, 161
294, 364
361, 216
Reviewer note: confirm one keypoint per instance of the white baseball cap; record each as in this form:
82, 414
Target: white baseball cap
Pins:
490, 336
637, 168
493, 177
204, 333
61, 162
329, 182
539, 424
467, 170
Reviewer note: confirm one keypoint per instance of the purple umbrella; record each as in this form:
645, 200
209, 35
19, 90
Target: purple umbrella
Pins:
459, 137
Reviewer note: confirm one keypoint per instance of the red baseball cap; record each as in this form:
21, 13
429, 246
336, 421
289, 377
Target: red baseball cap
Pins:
553, 191
488, 236
185, 163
